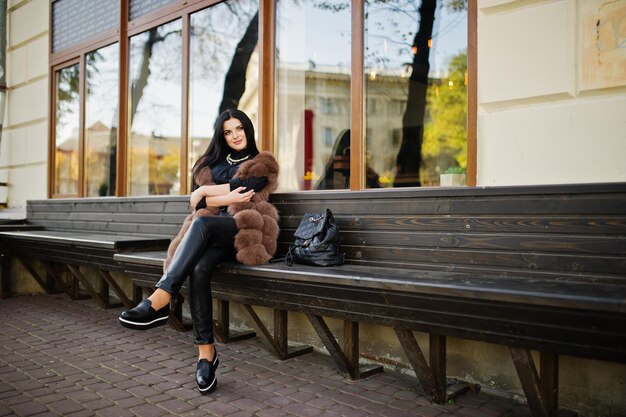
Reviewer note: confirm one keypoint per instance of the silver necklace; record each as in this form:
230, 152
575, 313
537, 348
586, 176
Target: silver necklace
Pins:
236, 161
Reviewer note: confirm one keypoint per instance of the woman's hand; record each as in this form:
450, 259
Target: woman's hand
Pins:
239, 196
218, 196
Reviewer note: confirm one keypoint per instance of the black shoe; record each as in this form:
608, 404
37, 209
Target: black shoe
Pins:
205, 374
144, 317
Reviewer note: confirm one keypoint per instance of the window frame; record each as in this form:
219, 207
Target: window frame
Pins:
266, 90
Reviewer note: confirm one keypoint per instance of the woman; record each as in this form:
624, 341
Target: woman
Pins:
231, 218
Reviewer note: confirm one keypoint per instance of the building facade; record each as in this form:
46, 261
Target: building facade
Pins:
120, 101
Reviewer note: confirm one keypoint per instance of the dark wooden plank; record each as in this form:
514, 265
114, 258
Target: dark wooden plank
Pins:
108, 241
524, 205
404, 257
514, 223
561, 244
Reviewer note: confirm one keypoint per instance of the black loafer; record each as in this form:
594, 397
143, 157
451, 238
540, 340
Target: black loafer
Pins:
144, 317
205, 375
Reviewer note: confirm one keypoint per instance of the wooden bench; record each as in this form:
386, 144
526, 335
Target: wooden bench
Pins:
533, 268
66, 233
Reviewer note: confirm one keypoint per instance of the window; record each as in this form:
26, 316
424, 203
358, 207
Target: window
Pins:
101, 119
223, 69
67, 131
415, 66
155, 86
311, 76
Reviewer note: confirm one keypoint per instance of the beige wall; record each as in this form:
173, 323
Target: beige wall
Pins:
551, 92
24, 144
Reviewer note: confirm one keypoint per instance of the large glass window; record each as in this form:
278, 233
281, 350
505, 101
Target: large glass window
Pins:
155, 110
101, 118
415, 74
223, 68
313, 94
66, 131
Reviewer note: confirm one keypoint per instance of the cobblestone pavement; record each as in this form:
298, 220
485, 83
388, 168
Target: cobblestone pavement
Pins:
71, 358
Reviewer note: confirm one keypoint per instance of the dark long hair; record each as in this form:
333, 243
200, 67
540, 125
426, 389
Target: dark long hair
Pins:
218, 148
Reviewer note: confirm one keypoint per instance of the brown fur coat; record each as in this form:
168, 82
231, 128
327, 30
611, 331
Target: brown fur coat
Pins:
256, 220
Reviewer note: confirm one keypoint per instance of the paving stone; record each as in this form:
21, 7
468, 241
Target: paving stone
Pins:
220, 408
98, 404
176, 406
474, 412
130, 402
303, 410
427, 411
149, 410
65, 407
29, 408
271, 412
15, 399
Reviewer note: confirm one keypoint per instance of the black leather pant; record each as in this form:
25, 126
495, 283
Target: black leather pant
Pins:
208, 241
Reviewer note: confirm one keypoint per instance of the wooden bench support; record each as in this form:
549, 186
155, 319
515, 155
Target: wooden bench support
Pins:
431, 377
47, 284
221, 325
5, 279
278, 341
85, 283
346, 359
109, 281
541, 389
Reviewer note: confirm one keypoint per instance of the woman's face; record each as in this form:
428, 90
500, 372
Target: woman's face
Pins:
235, 135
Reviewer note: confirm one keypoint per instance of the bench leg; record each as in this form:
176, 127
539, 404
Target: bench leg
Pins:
277, 342
108, 280
431, 377
50, 284
221, 325
5, 279
346, 359
541, 388
90, 289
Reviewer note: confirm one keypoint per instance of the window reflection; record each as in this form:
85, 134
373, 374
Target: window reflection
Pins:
66, 131
101, 116
415, 72
155, 110
224, 64
312, 94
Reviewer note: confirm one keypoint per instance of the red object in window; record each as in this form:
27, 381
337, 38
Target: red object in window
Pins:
308, 149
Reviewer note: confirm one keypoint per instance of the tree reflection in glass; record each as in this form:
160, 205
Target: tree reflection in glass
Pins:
155, 110
413, 48
66, 131
223, 68
101, 117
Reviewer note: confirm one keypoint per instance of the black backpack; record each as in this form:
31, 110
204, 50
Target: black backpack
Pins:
317, 241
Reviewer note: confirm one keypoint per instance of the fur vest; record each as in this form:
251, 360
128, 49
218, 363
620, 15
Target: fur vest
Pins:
256, 220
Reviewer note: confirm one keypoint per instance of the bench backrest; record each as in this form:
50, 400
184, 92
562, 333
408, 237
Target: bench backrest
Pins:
574, 230
568, 229
147, 216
